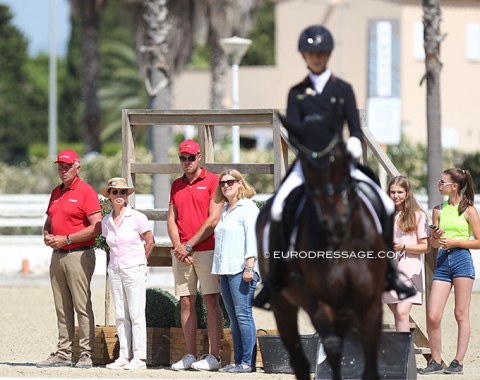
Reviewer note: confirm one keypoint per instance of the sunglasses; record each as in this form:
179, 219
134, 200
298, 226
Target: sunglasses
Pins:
443, 183
228, 182
187, 158
123, 192
64, 167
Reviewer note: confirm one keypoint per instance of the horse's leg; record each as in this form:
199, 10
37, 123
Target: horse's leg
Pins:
323, 320
371, 335
286, 316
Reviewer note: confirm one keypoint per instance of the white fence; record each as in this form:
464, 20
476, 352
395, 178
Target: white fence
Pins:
28, 210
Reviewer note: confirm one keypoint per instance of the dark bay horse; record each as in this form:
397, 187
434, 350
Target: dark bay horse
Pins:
333, 270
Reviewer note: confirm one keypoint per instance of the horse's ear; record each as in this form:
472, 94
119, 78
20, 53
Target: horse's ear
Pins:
291, 125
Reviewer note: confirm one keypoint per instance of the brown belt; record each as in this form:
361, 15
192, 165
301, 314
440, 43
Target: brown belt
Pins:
82, 248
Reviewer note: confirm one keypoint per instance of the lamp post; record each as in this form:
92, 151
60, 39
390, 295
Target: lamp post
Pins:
235, 48
52, 85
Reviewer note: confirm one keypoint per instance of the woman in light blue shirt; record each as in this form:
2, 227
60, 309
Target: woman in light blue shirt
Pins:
235, 262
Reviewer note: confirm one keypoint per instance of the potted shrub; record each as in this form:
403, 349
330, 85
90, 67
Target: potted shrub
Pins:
160, 315
177, 340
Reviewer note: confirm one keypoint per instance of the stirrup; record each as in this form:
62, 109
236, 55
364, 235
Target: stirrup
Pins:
263, 299
403, 291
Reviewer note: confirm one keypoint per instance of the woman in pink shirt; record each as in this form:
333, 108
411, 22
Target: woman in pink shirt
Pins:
410, 241
129, 236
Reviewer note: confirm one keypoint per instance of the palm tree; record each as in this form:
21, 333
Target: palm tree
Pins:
225, 19
165, 39
432, 40
123, 87
89, 13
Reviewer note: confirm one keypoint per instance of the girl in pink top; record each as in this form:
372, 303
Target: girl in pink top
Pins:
410, 241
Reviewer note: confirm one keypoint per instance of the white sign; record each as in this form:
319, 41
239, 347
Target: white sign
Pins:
384, 119
384, 58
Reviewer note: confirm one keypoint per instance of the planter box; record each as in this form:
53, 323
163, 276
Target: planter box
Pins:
178, 348
158, 346
164, 345
275, 355
107, 347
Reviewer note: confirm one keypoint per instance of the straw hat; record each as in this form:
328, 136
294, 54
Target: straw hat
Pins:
116, 183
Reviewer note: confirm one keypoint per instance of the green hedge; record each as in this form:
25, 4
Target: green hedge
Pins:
160, 308
201, 310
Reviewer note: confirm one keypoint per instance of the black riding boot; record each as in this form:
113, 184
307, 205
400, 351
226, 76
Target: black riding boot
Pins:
394, 283
272, 283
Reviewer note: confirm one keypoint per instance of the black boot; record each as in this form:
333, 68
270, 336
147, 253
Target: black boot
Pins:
394, 283
272, 283
263, 299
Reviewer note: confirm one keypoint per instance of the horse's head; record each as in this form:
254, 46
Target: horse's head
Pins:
326, 165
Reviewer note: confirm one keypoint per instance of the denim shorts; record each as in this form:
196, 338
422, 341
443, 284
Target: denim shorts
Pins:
453, 263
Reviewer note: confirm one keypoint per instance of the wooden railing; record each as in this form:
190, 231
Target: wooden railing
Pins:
206, 120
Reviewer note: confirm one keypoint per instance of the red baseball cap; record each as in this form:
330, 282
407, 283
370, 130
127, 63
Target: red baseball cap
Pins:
189, 147
68, 157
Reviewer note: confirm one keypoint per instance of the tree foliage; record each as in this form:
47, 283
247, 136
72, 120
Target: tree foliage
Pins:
121, 83
262, 34
22, 102
70, 102
471, 162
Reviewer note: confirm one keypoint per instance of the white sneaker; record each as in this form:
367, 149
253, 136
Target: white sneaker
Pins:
136, 363
184, 363
207, 363
120, 363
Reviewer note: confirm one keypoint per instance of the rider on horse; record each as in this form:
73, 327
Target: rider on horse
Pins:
312, 99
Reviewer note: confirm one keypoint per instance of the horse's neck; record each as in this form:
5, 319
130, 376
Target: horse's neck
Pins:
336, 175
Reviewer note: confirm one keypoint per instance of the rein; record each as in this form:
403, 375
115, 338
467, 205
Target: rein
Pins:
329, 190
315, 154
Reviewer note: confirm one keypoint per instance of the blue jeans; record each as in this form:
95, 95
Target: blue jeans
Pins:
238, 296
453, 263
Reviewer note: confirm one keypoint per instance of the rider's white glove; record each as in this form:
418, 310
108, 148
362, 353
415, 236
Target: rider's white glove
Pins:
354, 147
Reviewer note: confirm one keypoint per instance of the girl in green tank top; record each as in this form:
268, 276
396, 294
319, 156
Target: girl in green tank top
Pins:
454, 224
456, 230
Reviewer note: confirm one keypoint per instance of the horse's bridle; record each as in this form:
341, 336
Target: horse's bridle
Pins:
315, 157
327, 190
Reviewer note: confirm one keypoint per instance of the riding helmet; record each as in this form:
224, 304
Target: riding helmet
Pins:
315, 38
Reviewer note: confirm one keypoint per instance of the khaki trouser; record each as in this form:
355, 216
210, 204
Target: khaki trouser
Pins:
70, 277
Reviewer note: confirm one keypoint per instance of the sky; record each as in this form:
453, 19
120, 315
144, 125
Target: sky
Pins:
32, 17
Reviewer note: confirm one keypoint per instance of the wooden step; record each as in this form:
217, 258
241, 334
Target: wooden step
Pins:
422, 351
390, 327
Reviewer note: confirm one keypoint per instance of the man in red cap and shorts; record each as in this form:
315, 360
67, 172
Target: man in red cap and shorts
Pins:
73, 220
192, 217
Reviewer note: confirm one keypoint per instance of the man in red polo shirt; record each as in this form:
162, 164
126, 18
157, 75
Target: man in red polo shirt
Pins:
192, 217
73, 220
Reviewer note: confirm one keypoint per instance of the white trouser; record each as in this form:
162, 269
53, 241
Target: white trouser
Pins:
387, 201
293, 180
296, 178
129, 297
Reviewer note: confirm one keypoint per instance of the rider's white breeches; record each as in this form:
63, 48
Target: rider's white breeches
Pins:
296, 178
387, 201
293, 180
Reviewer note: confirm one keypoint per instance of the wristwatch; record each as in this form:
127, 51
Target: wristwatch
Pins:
68, 240
188, 247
